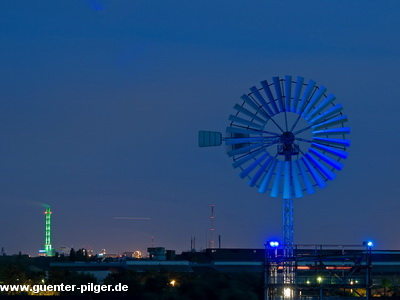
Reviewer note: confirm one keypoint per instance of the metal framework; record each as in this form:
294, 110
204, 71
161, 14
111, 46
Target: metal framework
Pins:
320, 270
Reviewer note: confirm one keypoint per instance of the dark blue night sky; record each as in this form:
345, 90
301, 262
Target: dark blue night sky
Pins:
101, 101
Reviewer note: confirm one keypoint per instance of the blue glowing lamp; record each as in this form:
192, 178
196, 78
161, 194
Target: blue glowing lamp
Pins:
368, 244
274, 244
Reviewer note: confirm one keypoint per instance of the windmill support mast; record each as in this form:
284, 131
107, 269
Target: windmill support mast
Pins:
288, 239
288, 149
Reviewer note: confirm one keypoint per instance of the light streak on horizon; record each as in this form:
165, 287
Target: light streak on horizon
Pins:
130, 218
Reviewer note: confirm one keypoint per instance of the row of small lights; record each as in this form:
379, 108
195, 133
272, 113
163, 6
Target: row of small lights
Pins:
275, 244
319, 279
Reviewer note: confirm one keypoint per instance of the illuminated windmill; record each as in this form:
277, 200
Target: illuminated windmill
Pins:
287, 138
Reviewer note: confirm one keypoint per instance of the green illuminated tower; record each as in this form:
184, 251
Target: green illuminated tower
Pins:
47, 244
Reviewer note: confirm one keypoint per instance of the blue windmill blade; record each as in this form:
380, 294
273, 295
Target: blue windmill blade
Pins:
268, 176
333, 131
328, 100
244, 149
321, 167
237, 163
271, 99
331, 112
297, 92
332, 141
306, 179
209, 138
314, 173
330, 122
248, 113
251, 167
287, 187
313, 101
278, 92
245, 140
296, 181
277, 181
241, 130
288, 92
306, 95
254, 105
245, 122
262, 101
334, 151
253, 181
248, 132
330, 161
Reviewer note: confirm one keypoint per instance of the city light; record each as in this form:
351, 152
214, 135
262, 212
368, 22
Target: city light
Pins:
287, 292
173, 282
319, 279
137, 254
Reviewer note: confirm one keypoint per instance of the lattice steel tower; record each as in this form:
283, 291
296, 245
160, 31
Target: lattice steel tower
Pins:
47, 242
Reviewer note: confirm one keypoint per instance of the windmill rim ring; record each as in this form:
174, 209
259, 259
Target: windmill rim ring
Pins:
247, 137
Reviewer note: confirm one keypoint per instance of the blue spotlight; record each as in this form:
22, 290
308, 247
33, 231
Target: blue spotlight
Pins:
368, 244
274, 244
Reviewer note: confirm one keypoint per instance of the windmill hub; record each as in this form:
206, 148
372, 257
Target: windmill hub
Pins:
288, 148
287, 138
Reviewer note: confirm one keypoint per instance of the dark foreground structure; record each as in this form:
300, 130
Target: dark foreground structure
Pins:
321, 272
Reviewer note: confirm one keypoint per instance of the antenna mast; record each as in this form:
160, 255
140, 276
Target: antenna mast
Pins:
212, 227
